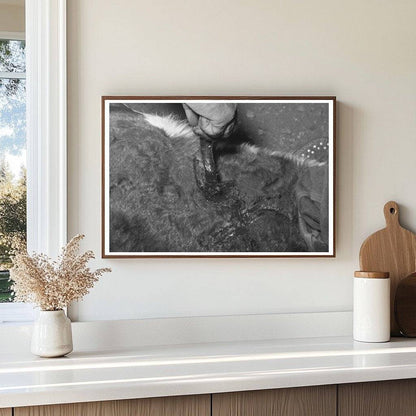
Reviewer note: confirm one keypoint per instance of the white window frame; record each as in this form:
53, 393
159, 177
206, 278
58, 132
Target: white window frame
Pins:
46, 127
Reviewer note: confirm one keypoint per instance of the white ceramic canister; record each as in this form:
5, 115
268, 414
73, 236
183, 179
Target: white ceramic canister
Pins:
371, 307
52, 334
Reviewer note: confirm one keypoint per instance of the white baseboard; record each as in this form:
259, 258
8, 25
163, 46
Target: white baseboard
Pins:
168, 331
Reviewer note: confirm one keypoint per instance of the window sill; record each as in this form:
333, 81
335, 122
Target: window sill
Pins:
16, 313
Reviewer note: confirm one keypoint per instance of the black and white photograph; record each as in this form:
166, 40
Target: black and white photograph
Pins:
218, 176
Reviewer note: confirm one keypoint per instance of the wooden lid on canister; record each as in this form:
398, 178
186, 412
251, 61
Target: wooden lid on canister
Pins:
372, 275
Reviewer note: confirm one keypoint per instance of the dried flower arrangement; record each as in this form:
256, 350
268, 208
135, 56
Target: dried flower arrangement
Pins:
53, 285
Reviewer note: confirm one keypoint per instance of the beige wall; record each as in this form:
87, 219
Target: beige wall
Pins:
361, 51
12, 18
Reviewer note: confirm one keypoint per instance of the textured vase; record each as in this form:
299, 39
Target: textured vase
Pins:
52, 334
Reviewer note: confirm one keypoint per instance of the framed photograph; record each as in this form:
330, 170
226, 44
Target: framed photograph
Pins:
218, 177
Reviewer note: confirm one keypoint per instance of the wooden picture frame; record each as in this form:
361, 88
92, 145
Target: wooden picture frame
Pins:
185, 174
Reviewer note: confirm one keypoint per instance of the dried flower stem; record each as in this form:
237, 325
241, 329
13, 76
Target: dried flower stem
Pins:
53, 285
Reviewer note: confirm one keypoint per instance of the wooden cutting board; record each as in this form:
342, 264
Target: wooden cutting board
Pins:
393, 250
405, 306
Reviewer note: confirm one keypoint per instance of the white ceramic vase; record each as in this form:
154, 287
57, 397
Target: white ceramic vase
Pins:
52, 334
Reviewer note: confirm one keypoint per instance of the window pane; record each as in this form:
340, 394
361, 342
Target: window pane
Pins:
12, 56
12, 175
12, 116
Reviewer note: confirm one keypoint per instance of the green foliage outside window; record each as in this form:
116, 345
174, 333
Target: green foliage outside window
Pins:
12, 223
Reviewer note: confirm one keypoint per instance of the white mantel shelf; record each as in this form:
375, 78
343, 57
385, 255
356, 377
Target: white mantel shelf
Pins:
151, 371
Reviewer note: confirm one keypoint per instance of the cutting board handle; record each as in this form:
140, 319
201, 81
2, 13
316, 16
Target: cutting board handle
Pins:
391, 214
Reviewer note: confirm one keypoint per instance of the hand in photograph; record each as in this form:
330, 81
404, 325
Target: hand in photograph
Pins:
216, 120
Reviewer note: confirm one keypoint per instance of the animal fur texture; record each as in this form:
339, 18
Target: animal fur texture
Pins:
157, 206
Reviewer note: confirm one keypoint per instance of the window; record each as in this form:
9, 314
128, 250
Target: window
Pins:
45, 90
12, 153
